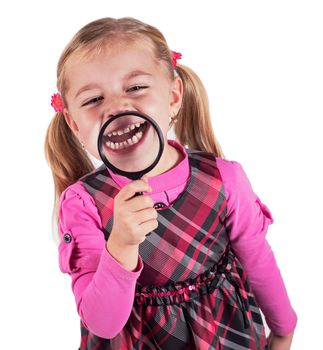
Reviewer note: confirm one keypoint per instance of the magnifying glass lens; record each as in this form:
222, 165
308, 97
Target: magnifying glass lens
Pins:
129, 143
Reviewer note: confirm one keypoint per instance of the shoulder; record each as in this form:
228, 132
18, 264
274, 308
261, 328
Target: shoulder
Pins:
237, 186
229, 169
76, 192
75, 201
233, 176
240, 194
231, 172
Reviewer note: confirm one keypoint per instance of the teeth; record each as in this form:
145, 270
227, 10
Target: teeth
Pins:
135, 139
126, 143
127, 129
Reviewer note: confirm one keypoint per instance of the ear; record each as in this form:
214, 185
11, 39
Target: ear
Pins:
70, 122
176, 94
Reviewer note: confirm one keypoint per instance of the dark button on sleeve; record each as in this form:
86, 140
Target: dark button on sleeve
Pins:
67, 238
65, 248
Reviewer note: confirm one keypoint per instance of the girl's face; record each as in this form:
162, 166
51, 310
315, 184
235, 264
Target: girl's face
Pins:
119, 79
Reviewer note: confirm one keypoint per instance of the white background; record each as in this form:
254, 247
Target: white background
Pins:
261, 63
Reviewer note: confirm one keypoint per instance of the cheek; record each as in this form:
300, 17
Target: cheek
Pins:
88, 124
89, 132
157, 108
91, 144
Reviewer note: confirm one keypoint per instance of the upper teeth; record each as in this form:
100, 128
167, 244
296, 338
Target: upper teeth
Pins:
124, 131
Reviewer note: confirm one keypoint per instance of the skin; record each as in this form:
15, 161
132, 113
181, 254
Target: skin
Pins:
277, 342
116, 91
115, 88
124, 78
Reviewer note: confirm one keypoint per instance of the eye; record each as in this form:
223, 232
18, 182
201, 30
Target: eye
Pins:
93, 100
136, 88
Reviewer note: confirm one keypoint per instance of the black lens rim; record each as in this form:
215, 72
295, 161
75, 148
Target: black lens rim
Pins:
133, 175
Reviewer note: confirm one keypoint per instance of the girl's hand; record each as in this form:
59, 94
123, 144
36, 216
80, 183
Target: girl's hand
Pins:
133, 218
277, 342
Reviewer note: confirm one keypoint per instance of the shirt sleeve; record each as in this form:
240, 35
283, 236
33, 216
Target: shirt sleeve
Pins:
103, 288
247, 221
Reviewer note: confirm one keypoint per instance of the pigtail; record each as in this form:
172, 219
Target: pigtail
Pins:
193, 127
67, 159
65, 156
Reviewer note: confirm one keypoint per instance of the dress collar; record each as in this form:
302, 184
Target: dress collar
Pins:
167, 180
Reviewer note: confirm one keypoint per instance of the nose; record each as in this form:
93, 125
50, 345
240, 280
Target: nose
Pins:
118, 105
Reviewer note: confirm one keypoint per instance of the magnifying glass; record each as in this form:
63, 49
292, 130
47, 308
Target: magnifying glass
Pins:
130, 144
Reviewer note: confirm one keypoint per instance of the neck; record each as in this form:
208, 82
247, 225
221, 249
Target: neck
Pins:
170, 158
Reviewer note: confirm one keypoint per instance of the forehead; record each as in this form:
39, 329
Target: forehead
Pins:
113, 55
111, 60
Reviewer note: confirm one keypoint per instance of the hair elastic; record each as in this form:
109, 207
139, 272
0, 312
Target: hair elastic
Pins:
175, 56
57, 102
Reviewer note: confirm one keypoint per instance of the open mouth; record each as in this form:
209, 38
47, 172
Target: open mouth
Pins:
125, 137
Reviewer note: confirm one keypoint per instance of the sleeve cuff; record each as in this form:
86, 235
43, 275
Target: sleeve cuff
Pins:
283, 330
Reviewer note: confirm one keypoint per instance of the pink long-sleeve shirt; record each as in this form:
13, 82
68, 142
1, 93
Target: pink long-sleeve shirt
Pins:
98, 280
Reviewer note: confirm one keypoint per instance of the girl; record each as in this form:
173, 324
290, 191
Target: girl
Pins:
194, 282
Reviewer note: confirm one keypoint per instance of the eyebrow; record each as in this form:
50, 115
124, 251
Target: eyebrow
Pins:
86, 87
127, 77
135, 74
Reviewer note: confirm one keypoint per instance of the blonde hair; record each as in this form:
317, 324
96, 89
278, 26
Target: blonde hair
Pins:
67, 159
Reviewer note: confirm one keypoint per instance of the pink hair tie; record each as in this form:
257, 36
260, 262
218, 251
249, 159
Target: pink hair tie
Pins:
175, 56
57, 102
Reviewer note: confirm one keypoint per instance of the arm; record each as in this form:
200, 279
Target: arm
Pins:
247, 221
103, 287
277, 342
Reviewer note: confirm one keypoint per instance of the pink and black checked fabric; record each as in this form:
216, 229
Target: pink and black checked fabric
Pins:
193, 293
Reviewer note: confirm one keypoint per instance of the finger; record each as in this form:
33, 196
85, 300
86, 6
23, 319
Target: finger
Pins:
128, 191
146, 215
148, 226
139, 203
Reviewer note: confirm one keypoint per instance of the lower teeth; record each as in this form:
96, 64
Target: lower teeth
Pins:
125, 144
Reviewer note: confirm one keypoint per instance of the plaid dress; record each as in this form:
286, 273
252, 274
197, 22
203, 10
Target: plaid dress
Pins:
192, 292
